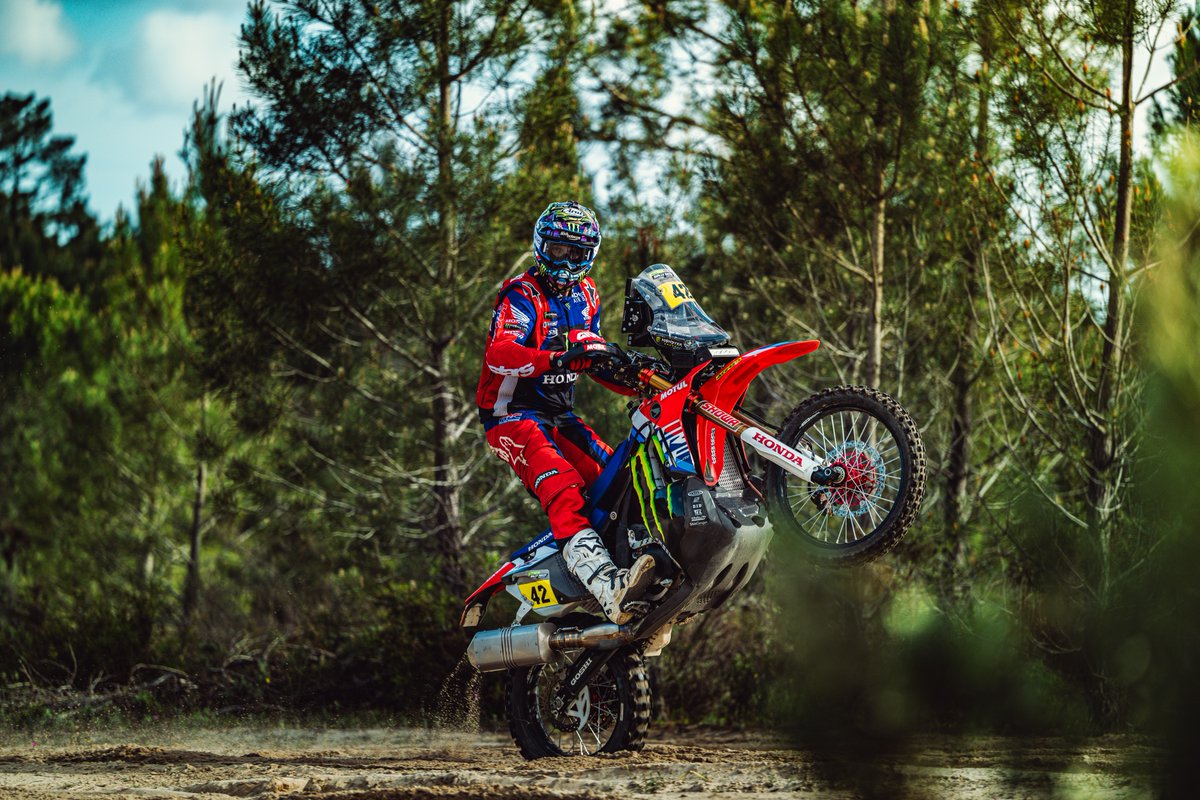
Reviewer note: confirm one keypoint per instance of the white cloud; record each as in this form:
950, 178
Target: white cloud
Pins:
35, 31
173, 57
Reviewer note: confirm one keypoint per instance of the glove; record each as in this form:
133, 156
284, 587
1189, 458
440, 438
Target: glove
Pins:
583, 347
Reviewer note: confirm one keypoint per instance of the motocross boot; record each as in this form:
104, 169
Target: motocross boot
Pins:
589, 561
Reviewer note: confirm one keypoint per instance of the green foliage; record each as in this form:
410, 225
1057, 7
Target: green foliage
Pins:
723, 668
1182, 101
237, 433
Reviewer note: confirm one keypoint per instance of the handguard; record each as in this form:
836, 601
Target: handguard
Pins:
584, 351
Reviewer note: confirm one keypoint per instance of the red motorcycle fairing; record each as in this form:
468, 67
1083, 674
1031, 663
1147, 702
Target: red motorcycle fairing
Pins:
726, 389
665, 412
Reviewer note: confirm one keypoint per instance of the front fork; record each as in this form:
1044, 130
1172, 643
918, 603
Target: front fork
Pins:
800, 461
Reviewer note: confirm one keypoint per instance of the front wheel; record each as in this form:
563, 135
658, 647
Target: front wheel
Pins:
611, 713
877, 449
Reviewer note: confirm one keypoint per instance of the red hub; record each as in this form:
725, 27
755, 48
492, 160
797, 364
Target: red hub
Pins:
861, 480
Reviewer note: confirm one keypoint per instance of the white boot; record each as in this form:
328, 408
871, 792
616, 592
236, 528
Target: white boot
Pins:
588, 560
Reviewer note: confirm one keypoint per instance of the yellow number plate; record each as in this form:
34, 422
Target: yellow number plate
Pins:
674, 293
539, 593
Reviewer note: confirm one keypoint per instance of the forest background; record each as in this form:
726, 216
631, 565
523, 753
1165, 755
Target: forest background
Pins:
240, 464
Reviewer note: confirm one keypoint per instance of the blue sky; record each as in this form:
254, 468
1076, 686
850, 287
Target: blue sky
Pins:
122, 76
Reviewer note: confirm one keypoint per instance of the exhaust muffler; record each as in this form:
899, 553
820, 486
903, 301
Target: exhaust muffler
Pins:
506, 648
526, 645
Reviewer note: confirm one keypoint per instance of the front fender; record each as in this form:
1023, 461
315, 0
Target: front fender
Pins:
726, 390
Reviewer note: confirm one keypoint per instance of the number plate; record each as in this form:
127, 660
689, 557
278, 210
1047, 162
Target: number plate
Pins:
674, 293
538, 593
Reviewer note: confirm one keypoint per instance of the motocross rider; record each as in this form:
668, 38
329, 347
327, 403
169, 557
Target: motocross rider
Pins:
545, 331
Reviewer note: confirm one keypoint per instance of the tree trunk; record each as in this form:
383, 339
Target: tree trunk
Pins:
447, 522
446, 194
958, 458
447, 530
191, 586
875, 325
1101, 437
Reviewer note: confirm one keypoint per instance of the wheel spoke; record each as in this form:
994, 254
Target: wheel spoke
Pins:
593, 712
871, 454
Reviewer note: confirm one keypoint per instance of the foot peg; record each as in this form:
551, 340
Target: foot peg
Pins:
638, 608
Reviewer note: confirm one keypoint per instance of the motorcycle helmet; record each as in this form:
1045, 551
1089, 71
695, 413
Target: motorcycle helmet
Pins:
566, 238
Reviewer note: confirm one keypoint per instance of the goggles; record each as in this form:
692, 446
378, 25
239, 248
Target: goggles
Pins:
565, 252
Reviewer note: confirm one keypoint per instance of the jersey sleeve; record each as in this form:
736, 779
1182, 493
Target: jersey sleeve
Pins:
507, 351
595, 326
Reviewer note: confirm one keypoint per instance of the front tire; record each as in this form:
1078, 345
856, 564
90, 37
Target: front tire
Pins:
875, 442
611, 713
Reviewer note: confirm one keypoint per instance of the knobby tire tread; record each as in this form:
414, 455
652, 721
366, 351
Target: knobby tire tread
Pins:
639, 680
881, 542
520, 703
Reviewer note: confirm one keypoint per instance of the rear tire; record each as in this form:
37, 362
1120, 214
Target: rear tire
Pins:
614, 715
846, 425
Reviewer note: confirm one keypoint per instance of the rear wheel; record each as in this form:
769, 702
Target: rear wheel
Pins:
611, 713
880, 460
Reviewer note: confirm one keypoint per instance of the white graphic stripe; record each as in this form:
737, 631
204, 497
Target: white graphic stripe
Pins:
505, 395
523, 371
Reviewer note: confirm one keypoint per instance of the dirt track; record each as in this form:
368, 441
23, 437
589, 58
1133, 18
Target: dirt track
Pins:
395, 764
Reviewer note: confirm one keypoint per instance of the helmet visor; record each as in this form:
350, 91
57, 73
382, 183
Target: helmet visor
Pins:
567, 253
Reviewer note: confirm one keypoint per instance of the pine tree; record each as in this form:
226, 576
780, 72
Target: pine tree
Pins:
45, 227
359, 237
1183, 94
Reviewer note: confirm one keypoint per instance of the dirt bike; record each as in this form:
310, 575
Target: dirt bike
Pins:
844, 474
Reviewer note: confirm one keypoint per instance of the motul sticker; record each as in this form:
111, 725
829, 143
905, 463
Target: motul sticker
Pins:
672, 390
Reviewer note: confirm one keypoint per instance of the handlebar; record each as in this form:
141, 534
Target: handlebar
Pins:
635, 369
630, 367
639, 370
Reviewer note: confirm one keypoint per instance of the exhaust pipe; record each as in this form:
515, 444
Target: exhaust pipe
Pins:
605, 637
527, 645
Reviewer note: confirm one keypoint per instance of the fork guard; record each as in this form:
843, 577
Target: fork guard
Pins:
728, 387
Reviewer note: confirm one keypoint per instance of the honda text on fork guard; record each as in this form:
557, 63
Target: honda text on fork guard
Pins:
844, 474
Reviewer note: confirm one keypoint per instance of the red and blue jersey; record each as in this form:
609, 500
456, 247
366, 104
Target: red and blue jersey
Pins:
528, 326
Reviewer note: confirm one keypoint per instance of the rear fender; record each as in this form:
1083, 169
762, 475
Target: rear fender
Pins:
475, 605
726, 390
